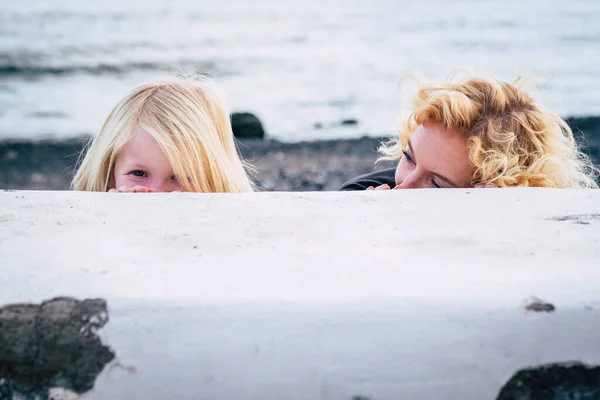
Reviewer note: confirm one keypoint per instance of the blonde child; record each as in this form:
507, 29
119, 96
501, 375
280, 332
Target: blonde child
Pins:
171, 135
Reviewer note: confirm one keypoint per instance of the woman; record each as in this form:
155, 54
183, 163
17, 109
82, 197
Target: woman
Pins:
480, 132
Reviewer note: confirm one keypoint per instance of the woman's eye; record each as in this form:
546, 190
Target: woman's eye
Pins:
435, 184
407, 156
138, 173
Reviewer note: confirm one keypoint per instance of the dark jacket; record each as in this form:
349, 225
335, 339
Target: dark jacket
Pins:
374, 179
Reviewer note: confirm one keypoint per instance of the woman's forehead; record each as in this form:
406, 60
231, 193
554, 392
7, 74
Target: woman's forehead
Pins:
442, 151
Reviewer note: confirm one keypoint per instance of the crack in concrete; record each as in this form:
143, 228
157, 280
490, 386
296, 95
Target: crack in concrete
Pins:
582, 219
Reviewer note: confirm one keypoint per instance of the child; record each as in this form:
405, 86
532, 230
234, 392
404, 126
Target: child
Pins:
166, 136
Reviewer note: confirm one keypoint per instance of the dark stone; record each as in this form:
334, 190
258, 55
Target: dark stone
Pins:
53, 344
349, 122
538, 305
247, 126
559, 381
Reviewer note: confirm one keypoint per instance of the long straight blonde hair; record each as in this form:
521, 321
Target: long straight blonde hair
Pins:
190, 122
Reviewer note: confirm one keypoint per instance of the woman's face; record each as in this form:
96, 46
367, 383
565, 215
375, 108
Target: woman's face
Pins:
435, 157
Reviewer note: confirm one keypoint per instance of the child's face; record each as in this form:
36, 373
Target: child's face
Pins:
141, 162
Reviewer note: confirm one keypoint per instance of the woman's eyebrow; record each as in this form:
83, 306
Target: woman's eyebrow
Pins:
448, 181
412, 151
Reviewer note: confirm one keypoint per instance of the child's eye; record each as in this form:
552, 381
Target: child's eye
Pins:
407, 156
139, 173
174, 178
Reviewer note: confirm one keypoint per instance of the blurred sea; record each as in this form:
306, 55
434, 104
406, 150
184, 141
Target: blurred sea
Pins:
64, 64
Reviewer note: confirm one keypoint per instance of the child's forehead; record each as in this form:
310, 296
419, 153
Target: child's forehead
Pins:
141, 148
140, 138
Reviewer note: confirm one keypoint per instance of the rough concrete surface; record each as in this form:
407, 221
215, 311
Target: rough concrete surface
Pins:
297, 296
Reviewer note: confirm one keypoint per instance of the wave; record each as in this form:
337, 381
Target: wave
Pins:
16, 70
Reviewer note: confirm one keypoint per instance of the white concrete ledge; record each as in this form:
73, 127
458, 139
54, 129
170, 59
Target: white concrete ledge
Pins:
385, 295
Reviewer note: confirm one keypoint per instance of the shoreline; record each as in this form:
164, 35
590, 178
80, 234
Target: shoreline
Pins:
299, 166
48, 164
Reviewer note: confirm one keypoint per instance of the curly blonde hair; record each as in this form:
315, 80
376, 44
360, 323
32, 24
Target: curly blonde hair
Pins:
512, 140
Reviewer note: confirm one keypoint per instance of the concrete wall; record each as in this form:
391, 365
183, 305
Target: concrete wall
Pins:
365, 295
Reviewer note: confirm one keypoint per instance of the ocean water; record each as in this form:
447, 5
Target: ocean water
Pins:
64, 64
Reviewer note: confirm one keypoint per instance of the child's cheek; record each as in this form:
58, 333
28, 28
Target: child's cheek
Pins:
127, 180
177, 187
